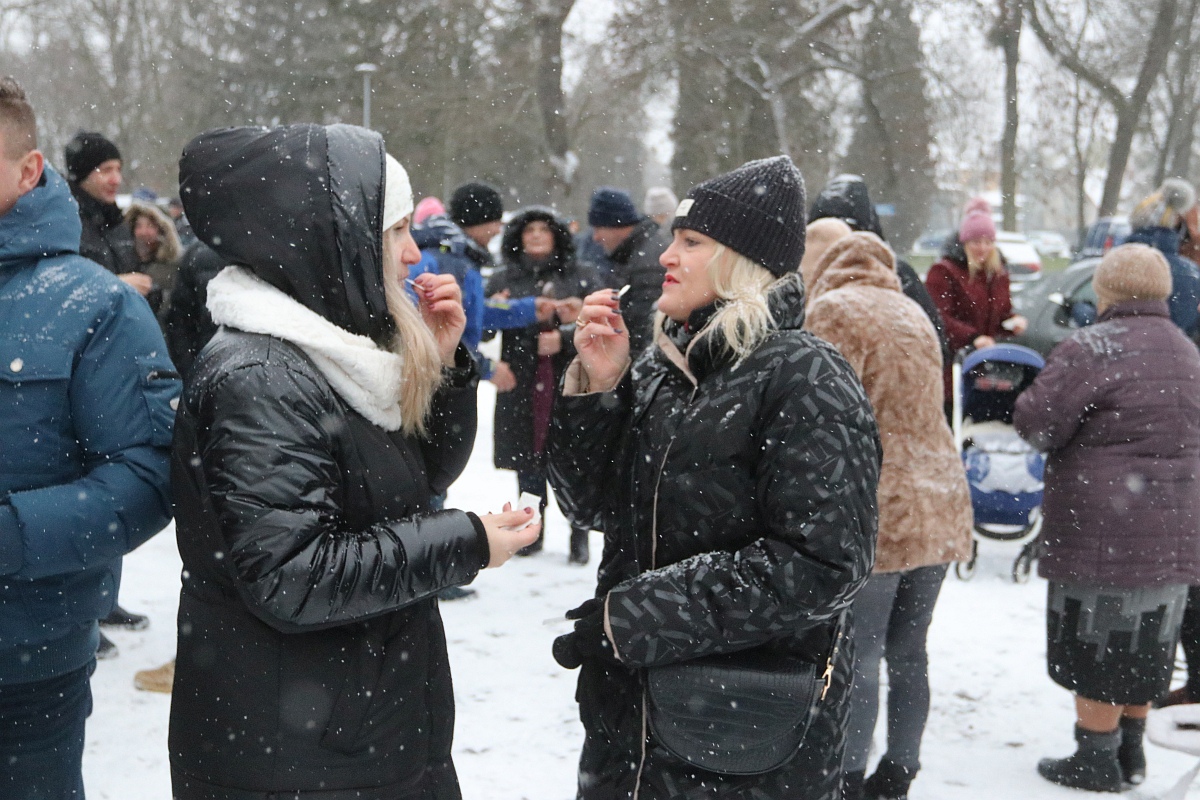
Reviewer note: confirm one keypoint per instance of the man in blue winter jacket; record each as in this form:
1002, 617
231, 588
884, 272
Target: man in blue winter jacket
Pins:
456, 244
87, 398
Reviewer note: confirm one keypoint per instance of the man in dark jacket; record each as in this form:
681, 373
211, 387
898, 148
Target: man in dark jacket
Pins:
1158, 221
633, 244
846, 198
94, 173
87, 400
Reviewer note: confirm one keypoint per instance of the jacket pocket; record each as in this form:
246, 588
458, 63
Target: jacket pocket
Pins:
29, 362
160, 388
37, 375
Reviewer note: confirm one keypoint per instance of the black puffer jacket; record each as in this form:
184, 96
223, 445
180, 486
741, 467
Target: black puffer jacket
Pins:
739, 512
635, 263
187, 321
311, 653
105, 237
560, 277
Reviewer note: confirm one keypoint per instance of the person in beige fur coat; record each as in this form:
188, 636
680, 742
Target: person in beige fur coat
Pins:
855, 303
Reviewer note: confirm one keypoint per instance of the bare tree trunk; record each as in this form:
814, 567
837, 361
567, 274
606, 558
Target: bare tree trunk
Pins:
1128, 107
1083, 152
1007, 35
1130, 112
1184, 105
779, 116
551, 16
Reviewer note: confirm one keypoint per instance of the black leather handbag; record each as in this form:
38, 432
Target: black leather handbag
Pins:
740, 713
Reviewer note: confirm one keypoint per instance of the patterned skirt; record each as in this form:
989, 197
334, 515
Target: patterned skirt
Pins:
1113, 645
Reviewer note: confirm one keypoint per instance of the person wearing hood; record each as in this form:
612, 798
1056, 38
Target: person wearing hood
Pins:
87, 398
539, 262
855, 302
316, 426
846, 198
969, 286
1160, 222
158, 250
733, 467
455, 243
1117, 411
94, 174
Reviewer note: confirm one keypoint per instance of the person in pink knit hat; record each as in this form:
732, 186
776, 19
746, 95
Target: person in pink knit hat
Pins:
428, 207
969, 285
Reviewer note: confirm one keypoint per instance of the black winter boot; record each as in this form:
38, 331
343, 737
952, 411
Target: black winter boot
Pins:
890, 782
1130, 755
120, 618
106, 648
1094, 766
579, 546
852, 785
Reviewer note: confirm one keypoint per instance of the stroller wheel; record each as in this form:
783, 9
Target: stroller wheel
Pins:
965, 570
1022, 568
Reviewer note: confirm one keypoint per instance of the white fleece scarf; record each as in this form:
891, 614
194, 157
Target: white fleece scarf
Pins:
365, 376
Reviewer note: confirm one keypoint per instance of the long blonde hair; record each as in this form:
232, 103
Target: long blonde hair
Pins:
994, 265
414, 343
744, 319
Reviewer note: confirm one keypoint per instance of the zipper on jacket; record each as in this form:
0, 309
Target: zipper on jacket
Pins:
662, 467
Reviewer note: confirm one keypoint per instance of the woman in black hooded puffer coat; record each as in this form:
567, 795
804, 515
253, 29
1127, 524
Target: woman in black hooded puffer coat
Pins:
315, 428
733, 468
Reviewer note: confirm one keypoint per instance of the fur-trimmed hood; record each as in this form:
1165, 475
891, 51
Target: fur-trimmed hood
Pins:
564, 244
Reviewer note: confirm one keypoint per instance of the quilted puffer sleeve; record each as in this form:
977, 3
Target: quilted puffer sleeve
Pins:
587, 446
1050, 412
816, 481
270, 465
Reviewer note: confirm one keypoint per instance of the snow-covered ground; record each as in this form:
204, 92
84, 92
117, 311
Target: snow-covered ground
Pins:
995, 712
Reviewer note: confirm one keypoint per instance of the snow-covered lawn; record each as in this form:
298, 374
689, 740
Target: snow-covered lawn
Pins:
995, 712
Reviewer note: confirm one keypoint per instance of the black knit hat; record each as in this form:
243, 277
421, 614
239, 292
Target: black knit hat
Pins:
475, 204
757, 210
87, 151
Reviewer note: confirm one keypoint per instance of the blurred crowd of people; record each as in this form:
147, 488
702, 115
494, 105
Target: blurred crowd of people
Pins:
747, 392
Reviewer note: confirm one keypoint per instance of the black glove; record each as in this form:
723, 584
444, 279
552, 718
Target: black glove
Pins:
588, 640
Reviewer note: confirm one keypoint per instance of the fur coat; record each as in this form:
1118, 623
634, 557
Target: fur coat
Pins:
857, 305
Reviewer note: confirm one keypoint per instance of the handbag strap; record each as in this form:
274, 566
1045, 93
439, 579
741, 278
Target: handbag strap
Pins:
839, 631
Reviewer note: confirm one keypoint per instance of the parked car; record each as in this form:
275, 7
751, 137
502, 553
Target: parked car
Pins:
1050, 244
1024, 263
1103, 235
931, 243
1057, 306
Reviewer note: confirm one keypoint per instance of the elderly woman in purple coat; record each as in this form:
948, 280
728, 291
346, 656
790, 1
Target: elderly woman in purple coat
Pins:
1117, 409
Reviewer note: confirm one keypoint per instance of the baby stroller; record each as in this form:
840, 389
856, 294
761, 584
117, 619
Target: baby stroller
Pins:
1004, 473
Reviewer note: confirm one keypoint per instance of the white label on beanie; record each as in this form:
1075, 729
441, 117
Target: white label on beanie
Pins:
684, 207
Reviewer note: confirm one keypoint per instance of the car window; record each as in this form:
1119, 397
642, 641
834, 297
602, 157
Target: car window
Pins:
1084, 293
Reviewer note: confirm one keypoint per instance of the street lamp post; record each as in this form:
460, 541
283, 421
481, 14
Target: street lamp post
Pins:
367, 70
